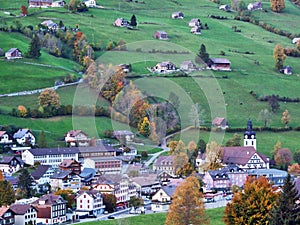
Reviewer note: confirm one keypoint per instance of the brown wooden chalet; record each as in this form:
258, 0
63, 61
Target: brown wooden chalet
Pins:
221, 64
71, 165
40, 3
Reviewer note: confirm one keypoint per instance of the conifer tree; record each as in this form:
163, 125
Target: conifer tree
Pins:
7, 193
202, 56
133, 21
286, 211
34, 48
25, 183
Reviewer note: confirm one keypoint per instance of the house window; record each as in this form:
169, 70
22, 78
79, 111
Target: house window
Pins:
80, 201
80, 206
84, 196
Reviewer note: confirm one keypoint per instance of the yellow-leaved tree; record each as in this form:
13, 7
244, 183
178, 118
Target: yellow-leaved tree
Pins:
251, 205
187, 205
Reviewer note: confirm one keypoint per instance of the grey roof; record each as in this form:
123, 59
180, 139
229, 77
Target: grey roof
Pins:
220, 60
12, 50
167, 160
40, 171
8, 159
53, 151
101, 148
169, 190
20, 133
87, 174
49, 199
61, 174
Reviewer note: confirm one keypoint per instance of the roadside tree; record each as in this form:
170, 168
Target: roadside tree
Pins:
49, 97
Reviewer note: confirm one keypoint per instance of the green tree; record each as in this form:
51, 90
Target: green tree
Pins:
42, 143
135, 201
273, 102
286, 211
251, 205
277, 5
265, 116
187, 204
7, 193
297, 157
25, 183
279, 56
234, 141
133, 21
34, 48
201, 145
202, 56
286, 118
110, 202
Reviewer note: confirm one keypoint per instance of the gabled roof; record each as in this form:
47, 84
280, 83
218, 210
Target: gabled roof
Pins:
218, 121
112, 179
2, 133
53, 151
220, 60
67, 163
20, 133
169, 160
161, 32
8, 159
169, 190
20, 209
145, 180
237, 155
12, 50
49, 199
61, 174
40, 171
92, 193
74, 133
87, 174
3, 210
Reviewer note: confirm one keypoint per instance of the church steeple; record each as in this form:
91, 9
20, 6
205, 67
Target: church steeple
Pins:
250, 135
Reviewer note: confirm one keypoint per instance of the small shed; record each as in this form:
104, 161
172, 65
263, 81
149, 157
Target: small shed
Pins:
254, 6
195, 22
220, 64
177, 15
287, 70
196, 30
161, 35
188, 66
13, 53
121, 22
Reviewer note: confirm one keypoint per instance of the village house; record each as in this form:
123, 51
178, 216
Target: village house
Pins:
10, 165
24, 214
219, 64
117, 184
88, 176
195, 22
71, 165
188, 66
124, 136
5, 138
13, 53
254, 6
121, 22
51, 209
195, 30
39, 3
295, 40
225, 8
164, 67
41, 176
77, 138
164, 164
161, 200
89, 3
60, 3
275, 176
287, 70
161, 35
65, 179
177, 15
49, 156
50, 25
220, 123
7, 216
89, 202
24, 137
148, 184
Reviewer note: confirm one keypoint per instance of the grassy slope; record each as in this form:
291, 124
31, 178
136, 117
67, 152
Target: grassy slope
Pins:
96, 24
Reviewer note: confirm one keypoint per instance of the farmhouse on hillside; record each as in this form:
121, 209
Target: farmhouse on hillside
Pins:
177, 15
164, 67
295, 40
77, 138
24, 137
195, 30
195, 22
287, 70
254, 6
89, 3
13, 53
50, 24
121, 22
188, 66
219, 64
225, 8
220, 122
40, 3
59, 3
161, 35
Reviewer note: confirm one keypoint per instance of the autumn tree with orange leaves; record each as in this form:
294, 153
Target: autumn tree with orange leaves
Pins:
187, 205
252, 205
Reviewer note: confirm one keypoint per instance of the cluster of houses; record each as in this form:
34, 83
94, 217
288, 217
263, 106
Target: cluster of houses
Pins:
59, 3
217, 64
91, 171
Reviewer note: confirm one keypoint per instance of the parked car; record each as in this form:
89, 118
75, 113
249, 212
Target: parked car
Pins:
111, 217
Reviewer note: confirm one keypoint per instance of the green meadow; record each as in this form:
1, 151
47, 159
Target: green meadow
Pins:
218, 93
